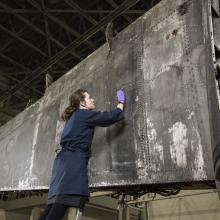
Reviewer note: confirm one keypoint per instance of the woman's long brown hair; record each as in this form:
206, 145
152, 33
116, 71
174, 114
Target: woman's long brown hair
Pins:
74, 102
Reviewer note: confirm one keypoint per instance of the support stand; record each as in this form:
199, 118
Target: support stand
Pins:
74, 214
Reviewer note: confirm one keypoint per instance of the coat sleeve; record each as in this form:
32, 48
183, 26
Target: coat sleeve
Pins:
104, 119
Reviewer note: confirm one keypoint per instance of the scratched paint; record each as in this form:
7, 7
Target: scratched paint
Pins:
32, 176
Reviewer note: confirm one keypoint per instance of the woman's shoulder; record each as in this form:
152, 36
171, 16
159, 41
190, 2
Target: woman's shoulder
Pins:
85, 112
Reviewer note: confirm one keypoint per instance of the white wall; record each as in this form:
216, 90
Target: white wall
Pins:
188, 205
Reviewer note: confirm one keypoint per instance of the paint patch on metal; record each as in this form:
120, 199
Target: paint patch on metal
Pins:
191, 115
155, 146
199, 163
179, 144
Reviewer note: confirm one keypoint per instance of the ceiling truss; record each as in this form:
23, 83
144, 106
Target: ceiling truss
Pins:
40, 37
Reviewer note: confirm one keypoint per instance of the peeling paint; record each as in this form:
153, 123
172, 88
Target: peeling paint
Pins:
191, 115
23, 184
156, 148
179, 144
198, 171
136, 99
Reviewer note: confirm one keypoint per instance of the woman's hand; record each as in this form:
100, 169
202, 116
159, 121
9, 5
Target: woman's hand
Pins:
121, 96
121, 99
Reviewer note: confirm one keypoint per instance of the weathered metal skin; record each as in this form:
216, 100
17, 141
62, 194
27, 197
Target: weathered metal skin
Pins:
164, 63
216, 24
215, 6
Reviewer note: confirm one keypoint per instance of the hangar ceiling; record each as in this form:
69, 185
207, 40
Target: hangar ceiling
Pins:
50, 37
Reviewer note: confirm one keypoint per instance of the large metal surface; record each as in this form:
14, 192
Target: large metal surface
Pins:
215, 6
164, 63
216, 26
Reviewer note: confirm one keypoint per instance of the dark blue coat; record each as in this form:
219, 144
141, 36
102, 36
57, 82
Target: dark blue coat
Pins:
69, 173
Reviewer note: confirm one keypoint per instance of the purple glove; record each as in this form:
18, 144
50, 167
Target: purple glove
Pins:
121, 96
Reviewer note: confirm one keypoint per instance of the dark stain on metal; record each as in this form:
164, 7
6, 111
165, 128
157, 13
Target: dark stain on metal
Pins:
158, 42
183, 8
168, 36
174, 33
177, 69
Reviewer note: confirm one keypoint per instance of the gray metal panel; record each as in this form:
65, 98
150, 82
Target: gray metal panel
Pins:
215, 6
164, 63
170, 140
216, 30
16, 152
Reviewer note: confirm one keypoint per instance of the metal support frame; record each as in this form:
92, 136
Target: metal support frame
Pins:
58, 43
21, 73
114, 5
5, 46
186, 193
32, 76
11, 77
87, 17
65, 11
26, 85
47, 30
14, 62
38, 30
146, 216
123, 208
28, 44
79, 215
59, 22
7, 111
5, 83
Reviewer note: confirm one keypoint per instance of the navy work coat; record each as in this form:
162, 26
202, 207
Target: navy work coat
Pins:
69, 173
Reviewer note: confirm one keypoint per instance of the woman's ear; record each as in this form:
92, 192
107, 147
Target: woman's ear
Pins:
83, 103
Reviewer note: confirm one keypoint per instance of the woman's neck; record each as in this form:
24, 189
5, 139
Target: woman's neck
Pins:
82, 107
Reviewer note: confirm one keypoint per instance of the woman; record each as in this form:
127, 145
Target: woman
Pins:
69, 182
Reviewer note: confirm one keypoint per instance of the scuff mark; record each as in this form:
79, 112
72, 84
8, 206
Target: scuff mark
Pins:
69, 72
92, 67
